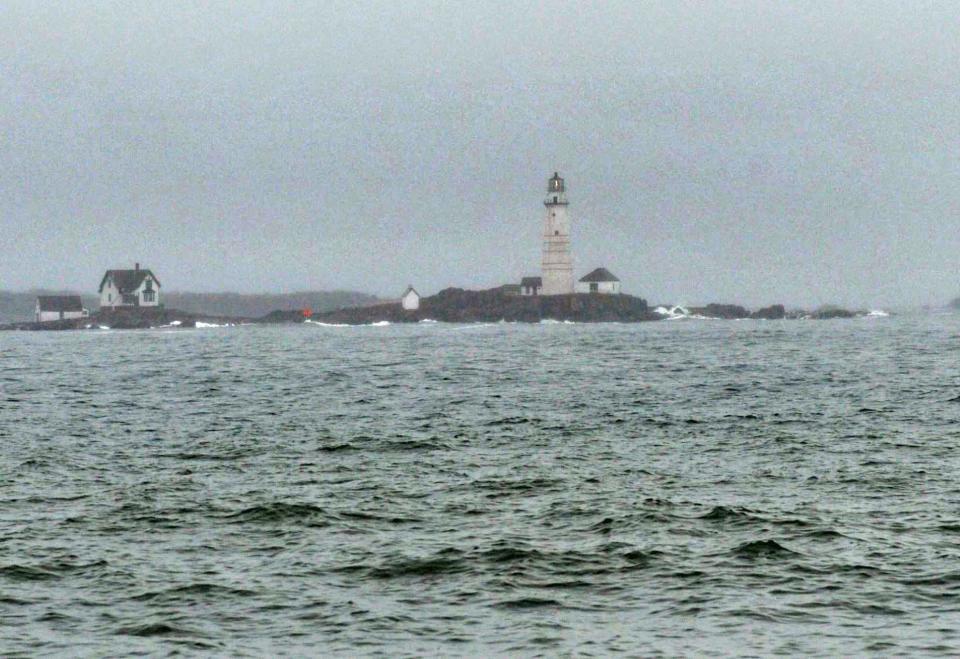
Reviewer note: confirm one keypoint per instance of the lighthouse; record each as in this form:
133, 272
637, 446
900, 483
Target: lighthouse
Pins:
557, 261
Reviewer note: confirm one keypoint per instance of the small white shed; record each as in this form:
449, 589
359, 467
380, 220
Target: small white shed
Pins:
600, 281
59, 307
410, 300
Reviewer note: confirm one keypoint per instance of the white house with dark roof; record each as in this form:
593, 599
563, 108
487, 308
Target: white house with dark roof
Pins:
129, 288
410, 301
600, 281
59, 307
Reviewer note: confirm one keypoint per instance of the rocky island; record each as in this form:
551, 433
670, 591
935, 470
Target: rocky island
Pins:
129, 318
451, 305
456, 305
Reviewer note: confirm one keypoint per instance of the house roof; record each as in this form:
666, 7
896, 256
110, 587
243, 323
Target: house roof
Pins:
410, 289
127, 281
60, 303
599, 275
532, 281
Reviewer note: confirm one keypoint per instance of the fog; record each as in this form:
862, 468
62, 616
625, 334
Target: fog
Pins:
748, 152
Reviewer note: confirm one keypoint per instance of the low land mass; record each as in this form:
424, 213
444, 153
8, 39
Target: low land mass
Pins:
18, 307
456, 305
452, 305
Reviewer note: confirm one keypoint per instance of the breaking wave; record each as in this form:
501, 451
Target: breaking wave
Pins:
678, 312
319, 324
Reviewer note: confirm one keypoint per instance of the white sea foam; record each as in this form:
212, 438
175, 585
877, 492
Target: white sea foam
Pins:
319, 324
428, 321
678, 312
202, 325
878, 313
472, 326
552, 321
381, 323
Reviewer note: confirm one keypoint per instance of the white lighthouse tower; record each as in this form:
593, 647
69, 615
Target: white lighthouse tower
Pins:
557, 261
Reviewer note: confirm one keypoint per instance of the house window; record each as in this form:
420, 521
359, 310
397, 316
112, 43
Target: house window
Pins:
554, 198
594, 287
129, 299
149, 295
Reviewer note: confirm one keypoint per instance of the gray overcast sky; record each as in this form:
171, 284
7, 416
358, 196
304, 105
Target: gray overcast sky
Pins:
751, 152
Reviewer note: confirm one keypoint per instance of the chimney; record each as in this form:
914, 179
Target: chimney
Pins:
136, 267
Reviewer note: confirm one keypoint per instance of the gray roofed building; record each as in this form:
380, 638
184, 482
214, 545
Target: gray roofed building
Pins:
531, 285
59, 307
598, 275
600, 281
59, 303
129, 288
127, 281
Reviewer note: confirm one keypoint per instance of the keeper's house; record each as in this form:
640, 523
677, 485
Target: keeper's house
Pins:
600, 281
59, 307
129, 288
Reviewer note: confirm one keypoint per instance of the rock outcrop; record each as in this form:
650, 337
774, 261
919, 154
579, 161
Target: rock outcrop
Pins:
830, 312
773, 312
129, 318
724, 311
452, 305
457, 305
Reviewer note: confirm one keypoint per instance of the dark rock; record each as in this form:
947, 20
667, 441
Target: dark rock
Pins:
830, 312
283, 316
774, 312
725, 311
458, 305
128, 318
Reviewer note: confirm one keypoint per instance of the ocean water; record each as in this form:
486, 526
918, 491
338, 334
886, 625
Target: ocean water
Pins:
673, 488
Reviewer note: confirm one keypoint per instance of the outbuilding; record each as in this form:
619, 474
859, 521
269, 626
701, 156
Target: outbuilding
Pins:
410, 300
59, 307
600, 281
531, 286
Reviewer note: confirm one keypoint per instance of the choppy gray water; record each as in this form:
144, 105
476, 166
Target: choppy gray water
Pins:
668, 488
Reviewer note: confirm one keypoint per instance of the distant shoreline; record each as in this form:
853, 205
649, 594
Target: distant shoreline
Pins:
452, 305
